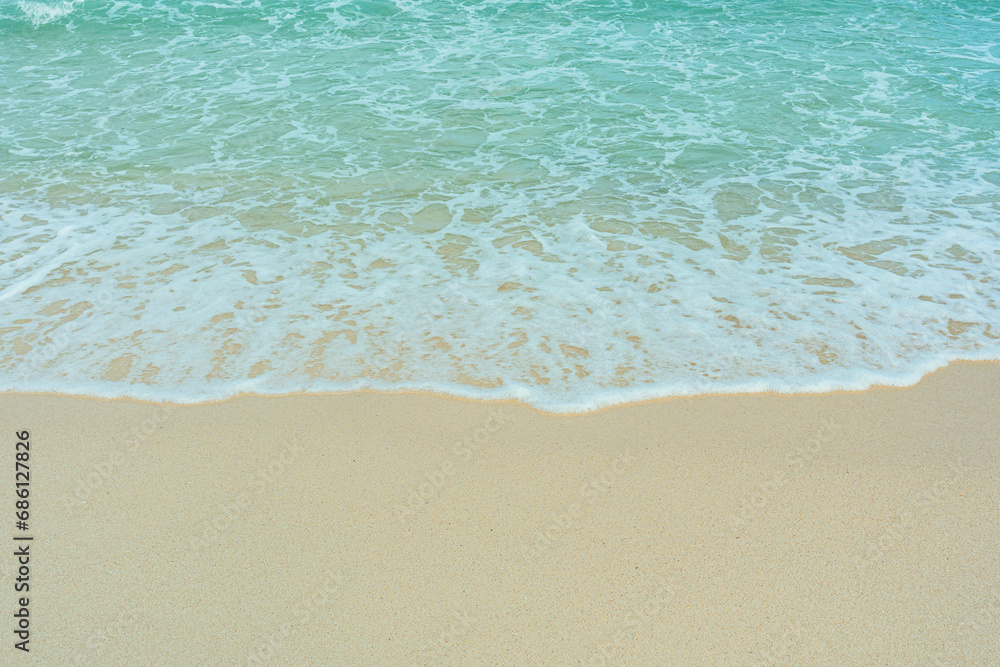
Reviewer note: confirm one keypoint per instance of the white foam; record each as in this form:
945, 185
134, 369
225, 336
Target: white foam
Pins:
41, 13
569, 209
580, 402
169, 309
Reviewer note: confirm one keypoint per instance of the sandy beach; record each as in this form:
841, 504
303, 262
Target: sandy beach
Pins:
365, 528
354, 265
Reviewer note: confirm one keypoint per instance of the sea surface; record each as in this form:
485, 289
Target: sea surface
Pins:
576, 203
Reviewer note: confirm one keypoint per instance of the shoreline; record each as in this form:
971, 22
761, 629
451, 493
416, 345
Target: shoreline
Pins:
443, 394
364, 528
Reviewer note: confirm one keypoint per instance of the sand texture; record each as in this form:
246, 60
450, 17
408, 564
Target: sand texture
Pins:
364, 529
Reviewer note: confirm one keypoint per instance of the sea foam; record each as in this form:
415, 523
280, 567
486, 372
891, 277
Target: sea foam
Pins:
559, 203
40, 13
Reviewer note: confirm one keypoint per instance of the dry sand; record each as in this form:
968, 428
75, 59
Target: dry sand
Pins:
838, 529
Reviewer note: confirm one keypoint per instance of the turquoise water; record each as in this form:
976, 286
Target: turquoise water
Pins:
575, 203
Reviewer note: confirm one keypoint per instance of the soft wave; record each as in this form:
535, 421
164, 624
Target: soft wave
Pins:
571, 203
40, 13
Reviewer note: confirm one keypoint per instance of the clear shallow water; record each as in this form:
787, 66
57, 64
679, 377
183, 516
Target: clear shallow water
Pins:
575, 203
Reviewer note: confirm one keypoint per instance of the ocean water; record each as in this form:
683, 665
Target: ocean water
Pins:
575, 203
